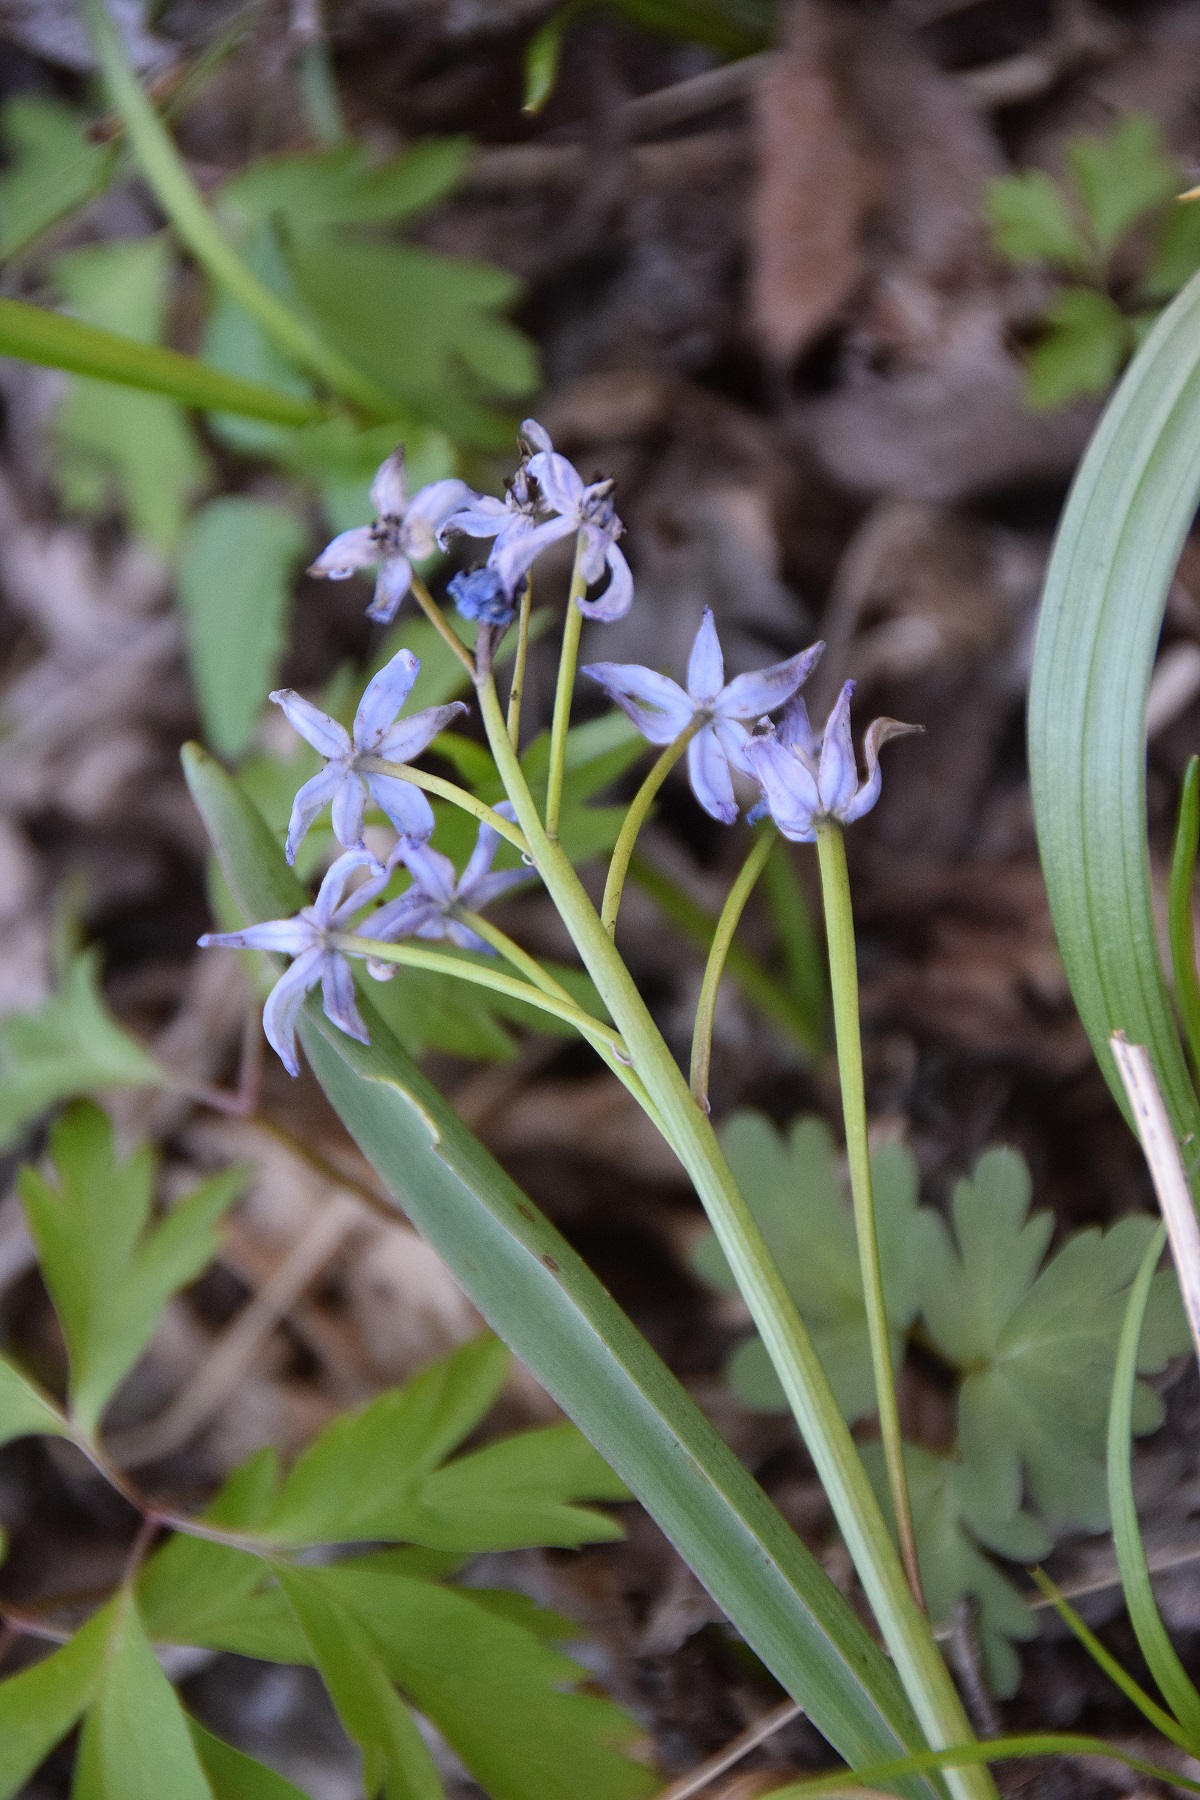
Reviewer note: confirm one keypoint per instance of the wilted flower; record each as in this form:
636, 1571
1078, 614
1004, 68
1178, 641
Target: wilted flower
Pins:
342, 781
480, 594
560, 491
805, 780
661, 709
306, 938
429, 907
404, 531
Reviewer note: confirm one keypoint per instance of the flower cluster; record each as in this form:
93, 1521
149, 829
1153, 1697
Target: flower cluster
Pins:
799, 779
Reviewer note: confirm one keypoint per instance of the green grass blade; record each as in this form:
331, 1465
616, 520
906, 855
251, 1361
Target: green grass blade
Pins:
1042, 1743
1181, 925
1172, 1678
1120, 1677
539, 1295
36, 335
1131, 506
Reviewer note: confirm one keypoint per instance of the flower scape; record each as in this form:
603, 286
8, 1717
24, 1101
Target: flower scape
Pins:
724, 727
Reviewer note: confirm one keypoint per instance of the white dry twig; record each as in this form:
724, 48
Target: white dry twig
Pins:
1157, 1137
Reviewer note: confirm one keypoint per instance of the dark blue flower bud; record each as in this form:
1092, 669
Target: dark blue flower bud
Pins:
480, 594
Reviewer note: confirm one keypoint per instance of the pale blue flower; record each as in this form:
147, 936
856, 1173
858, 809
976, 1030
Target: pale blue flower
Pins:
429, 907
661, 709
405, 531
805, 779
305, 938
507, 522
377, 733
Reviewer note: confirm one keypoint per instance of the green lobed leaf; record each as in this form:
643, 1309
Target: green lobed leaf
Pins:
343, 186
795, 1190
1121, 177
52, 167
235, 582
70, 1045
234, 1776
24, 1410
108, 1275
459, 350
1131, 505
1029, 220
952, 1517
135, 1743
518, 1492
397, 1762
733, 26
190, 1586
1036, 1345
502, 1700
1086, 340
367, 1468
113, 442
530, 1284
40, 1705
1178, 252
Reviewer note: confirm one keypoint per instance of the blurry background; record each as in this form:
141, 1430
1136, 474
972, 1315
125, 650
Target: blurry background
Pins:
756, 267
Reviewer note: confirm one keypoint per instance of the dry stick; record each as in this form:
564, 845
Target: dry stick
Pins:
722, 1760
236, 1348
1159, 1147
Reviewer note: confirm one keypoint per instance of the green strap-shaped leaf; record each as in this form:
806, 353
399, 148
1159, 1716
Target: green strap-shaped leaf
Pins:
542, 1298
35, 335
1132, 504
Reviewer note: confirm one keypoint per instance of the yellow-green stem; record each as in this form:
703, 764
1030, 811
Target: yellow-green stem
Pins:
843, 978
561, 723
516, 689
600, 1039
446, 790
184, 206
441, 624
903, 1625
635, 818
727, 924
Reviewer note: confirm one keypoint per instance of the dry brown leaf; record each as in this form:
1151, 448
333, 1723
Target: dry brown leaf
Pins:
814, 190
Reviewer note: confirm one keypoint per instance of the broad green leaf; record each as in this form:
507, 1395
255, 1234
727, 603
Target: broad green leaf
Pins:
396, 1761
40, 1705
795, 1190
235, 1776
502, 1700
32, 334
24, 1411
108, 1275
235, 581
71, 1045
533, 1288
458, 349
1087, 338
111, 441
367, 1467
520, 1491
53, 166
1122, 177
1175, 1684
135, 1743
1029, 220
342, 186
1037, 1349
1132, 504
952, 1518
190, 1586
